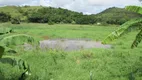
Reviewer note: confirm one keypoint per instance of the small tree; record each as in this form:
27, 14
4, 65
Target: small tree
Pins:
4, 17
15, 20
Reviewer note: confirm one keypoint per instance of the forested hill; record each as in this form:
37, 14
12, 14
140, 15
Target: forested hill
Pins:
39, 14
116, 15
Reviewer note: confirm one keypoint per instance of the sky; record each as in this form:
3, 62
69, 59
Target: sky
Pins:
85, 6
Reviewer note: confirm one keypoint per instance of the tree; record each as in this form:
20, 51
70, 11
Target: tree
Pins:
126, 26
4, 17
15, 20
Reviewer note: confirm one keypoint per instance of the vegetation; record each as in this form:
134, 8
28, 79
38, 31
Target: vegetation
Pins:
15, 20
4, 17
125, 28
4, 30
39, 14
120, 62
1, 51
6, 41
116, 16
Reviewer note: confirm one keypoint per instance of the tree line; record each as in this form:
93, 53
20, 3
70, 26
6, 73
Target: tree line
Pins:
58, 15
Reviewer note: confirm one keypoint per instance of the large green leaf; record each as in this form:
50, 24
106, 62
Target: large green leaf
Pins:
17, 62
137, 9
137, 40
1, 51
15, 39
123, 28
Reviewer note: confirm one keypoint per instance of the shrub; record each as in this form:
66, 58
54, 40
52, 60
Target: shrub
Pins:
15, 20
51, 23
4, 17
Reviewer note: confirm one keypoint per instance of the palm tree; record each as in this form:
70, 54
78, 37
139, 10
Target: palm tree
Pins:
126, 26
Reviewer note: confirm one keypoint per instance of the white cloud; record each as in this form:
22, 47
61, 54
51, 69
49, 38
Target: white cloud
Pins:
85, 6
13, 2
89, 6
113, 2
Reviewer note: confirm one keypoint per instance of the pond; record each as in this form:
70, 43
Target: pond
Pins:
71, 44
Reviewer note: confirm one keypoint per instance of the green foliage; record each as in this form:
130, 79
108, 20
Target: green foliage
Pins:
62, 30
20, 69
85, 19
37, 17
15, 20
39, 14
5, 30
137, 40
7, 40
116, 15
126, 26
15, 39
1, 51
55, 15
51, 23
4, 17
118, 63
137, 9
123, 29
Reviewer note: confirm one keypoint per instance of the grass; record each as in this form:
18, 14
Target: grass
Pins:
63, 30
118, 63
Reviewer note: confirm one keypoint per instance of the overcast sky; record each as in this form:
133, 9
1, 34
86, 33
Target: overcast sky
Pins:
85, 6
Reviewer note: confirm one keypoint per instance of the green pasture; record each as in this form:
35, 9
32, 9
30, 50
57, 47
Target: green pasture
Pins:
70, 31
118, 63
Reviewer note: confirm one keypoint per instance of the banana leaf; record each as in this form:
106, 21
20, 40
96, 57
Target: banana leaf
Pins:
137, 40
137, 9
122, 30
22, 65
15, 39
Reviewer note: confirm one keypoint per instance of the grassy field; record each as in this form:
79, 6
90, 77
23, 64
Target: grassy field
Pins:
119, 63
63, 30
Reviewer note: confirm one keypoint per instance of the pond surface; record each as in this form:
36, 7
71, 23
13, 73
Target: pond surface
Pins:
71, 44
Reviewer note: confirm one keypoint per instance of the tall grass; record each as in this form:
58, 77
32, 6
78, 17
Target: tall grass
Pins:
119, 63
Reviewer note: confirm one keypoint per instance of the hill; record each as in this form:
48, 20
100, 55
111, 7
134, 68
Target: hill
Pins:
40, 14
16, 10
116, 15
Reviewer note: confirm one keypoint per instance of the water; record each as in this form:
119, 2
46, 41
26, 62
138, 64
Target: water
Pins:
71, 44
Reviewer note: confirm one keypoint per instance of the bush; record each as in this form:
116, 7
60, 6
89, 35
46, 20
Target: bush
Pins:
4, 17
51, 23
38, 18
15, 20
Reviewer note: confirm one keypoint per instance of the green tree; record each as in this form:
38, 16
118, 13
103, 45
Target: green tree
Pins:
4, 17
15, 20
109, 16
126, 26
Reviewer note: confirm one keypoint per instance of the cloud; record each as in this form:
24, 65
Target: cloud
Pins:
113, 2
85, 6
13, 2
89, 6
